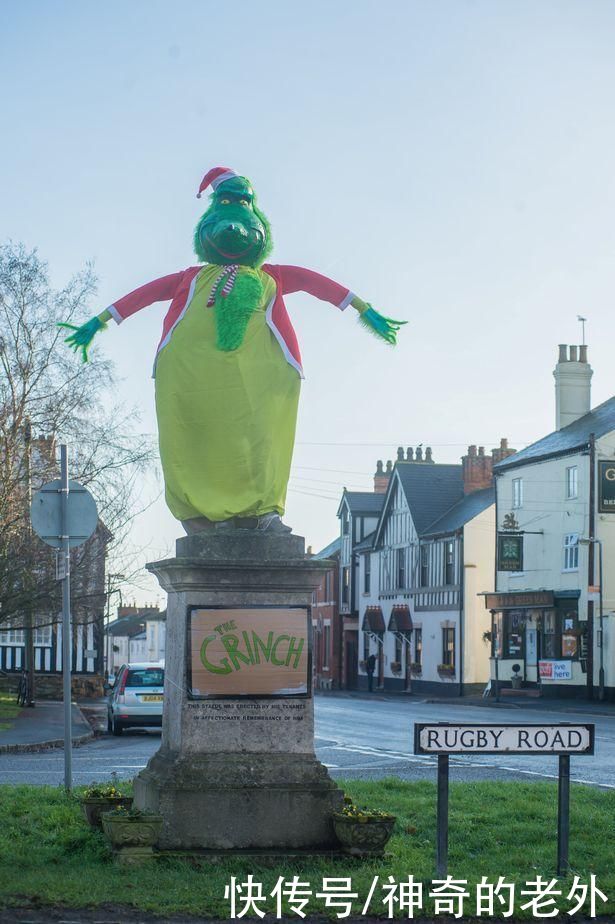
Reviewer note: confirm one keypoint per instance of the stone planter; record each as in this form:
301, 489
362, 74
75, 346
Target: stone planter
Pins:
366, 838
132, 838
93, 808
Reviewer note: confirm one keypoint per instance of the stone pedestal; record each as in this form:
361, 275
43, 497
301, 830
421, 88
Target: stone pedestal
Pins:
237, 772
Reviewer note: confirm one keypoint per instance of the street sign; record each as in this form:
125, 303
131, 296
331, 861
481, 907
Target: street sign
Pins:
46, 514
561, 739
504, 739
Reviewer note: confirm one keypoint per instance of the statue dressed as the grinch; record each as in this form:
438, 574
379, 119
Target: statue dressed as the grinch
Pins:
228, 366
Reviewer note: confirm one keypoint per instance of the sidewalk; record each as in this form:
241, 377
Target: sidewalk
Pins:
43, 727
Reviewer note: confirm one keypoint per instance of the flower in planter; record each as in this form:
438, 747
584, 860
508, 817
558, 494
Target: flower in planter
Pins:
100, 797
416, 667
362, 831
446, 668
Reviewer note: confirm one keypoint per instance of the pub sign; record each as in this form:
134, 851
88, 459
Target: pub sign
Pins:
606, 487
510, 552
248, 651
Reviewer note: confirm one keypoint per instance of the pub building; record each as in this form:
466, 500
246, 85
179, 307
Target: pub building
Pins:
555, 550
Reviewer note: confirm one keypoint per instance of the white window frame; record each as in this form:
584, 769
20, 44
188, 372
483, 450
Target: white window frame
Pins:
572, 482
571, 552
517, 493
13, 637
41, 636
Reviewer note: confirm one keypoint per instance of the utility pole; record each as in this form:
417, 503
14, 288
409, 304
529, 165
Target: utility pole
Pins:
29, 630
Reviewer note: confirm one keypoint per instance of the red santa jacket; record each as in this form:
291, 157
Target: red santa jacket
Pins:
179, 287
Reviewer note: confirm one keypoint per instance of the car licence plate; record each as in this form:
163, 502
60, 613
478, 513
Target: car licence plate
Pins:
152, 699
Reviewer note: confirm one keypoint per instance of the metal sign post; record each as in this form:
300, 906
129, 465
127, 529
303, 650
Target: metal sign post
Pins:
64, 515
561, 740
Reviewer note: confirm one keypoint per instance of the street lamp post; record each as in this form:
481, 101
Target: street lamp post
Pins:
598, 542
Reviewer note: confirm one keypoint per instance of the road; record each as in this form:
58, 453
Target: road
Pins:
356, 737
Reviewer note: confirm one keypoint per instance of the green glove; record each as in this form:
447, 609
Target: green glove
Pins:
83, 336
385, 328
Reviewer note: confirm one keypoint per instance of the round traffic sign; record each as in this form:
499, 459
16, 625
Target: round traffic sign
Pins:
46, 514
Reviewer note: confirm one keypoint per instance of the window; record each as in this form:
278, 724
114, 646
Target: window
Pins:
517, 492
345, 585
328, 586
448, 647
12, 637
401, 568
367, 574
398, 649
418, 646
571, 552
326, 642
562, 634
345, 524
424, 566
365, 646
42, 637
449, 563
572, 481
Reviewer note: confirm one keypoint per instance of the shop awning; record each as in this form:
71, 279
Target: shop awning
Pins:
400, 620
373, 621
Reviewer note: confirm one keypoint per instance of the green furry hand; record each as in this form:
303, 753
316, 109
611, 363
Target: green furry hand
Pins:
385, 328
83, 336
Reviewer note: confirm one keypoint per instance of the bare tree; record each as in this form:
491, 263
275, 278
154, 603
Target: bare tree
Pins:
46, 396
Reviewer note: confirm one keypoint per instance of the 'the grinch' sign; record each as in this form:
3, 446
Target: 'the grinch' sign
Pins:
248, 652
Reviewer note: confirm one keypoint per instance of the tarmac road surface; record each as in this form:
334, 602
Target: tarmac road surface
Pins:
357, 736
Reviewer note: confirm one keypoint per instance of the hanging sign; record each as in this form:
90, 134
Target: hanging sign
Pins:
248, 651
510, 552
606, 487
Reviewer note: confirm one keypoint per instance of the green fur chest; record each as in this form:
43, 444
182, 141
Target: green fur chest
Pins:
233, 312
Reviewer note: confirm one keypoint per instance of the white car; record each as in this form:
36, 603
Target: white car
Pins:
136, 698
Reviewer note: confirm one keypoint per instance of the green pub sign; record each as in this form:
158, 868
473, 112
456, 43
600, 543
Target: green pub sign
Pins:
510, 552
606, 487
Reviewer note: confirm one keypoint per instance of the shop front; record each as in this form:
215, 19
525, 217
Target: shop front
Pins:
538, 642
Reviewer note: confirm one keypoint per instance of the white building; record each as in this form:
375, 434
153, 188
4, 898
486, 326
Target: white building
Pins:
137, 635
420, 572
552, 497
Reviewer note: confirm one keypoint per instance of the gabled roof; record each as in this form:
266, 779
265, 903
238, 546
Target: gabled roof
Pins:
367, 503
599, 421
133, 624
365, 544
462, 512
332, 549
430, 490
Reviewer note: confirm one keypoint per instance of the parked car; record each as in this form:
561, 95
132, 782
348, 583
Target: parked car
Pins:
136, 698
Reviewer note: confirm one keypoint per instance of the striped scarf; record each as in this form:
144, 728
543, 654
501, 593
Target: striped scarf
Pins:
230, 274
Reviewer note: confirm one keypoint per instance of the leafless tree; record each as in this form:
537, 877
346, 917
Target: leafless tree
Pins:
48, 396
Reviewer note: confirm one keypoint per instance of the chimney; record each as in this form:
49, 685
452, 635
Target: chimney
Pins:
409, 454
418, 456
428, 457
381, 478
573, 376
502, 452
400, 453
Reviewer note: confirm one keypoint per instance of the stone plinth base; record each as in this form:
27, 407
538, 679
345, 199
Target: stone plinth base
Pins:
232, 802
238, 772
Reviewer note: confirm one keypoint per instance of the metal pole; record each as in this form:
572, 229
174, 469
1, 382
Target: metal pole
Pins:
601, 616
563, 814
66, 623
442, 815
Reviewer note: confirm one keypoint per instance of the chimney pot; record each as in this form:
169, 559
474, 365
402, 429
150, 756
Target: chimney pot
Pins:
409, 454
400, 454
583, 353
428, 457
573, 354
389, 467
379, 467
472, 451
504, 443
419, 454
481, 450
563, 353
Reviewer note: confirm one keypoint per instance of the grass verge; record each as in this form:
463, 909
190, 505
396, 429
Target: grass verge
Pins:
49, 856
9, 710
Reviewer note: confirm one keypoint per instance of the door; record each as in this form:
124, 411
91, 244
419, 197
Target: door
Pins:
351, 665
531, 654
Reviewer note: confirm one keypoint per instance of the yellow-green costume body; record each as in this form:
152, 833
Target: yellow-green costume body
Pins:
226, 419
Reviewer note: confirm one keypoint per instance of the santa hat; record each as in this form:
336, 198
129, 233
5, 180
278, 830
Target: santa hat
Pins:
214, 177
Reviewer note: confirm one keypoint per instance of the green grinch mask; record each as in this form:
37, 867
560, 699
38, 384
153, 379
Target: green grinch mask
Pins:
233, 230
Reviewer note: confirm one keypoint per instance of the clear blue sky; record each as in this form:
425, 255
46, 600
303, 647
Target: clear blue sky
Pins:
451, 162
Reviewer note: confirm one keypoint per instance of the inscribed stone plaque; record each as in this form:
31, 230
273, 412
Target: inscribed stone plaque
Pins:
248, 651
